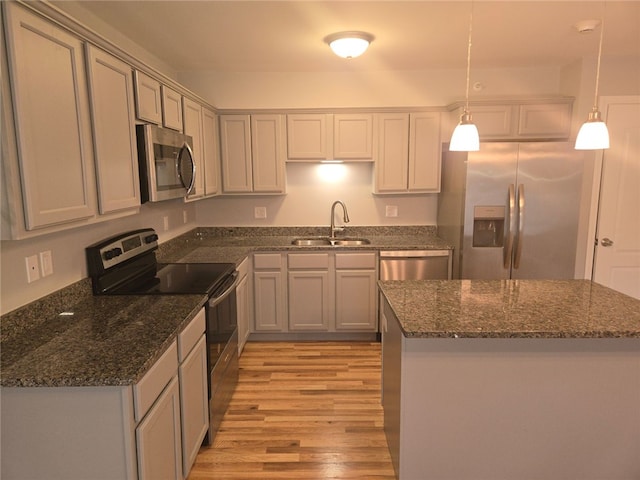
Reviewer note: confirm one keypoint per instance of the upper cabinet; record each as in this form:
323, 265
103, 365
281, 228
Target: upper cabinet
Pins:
252, 153
193, 127
545, 120
52, 121
148, 98
408, 153
114, 138
211, 152
321, 136
171, 109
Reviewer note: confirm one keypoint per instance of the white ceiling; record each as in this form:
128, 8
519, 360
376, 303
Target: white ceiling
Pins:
287, 36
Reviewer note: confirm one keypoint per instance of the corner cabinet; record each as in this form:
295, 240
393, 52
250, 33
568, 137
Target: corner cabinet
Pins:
114, 137
409, 153
252, 154
52, 120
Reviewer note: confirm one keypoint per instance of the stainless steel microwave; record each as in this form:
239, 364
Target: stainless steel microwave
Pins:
167, 166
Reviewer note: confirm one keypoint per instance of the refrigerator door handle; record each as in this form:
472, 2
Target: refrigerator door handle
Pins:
520, 235
511, 226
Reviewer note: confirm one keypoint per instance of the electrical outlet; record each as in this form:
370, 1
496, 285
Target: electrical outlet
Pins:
46, 263
260, 212
33, 272
391, 211
165, 221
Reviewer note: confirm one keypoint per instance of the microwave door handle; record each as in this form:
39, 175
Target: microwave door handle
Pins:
511, 226
189, 154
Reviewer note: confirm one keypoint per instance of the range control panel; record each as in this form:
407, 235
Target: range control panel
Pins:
118, 249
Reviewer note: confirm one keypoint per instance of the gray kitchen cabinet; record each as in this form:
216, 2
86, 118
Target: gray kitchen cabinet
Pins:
521, 121
409, 153
210, 152
322, 136
171, 108
148, 98
54, 170
194, 397
114, 134
269, 292
309, 292
252, 153
243, 295
356, 291
193, 126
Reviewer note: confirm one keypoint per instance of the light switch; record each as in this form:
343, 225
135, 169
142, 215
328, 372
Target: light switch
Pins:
46, 263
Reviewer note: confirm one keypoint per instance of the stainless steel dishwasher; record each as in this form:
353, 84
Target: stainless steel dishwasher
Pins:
415, 265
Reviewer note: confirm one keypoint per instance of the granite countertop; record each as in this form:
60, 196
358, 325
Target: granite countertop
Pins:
108, 341
511, 309
114, 340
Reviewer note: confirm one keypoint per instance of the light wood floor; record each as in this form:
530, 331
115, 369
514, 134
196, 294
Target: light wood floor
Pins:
302, 411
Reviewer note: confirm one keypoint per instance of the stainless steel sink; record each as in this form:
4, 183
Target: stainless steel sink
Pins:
327, 241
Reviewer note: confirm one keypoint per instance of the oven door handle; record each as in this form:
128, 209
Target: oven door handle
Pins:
235, 279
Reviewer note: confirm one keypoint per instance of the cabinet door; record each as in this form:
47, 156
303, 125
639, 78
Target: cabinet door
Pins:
242, 300
235, 149
267, 153
158, 438
356, 300
353, 137
148, 98
494, 122
171, 108
424, 152
309, 300
268, 297
194, 401
545, 120
308, 136
391, 163
51, 110
193, 127
114, 137
210, 152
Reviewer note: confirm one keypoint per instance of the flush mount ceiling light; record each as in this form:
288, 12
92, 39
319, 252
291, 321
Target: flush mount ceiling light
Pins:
349, 44
593, 134
465, 137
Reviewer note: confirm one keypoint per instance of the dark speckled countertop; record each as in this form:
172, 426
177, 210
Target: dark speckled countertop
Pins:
114, 340
511, 309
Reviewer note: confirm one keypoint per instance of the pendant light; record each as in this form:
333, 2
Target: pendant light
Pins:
593, 134
465, 137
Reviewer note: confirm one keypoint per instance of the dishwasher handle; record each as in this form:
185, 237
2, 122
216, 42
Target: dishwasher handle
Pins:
413, 253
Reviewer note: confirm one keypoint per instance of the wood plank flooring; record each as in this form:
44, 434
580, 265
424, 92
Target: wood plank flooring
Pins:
302, 411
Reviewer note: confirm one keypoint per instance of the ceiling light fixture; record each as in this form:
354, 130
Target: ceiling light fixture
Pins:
465, 137
593, 134
349, 44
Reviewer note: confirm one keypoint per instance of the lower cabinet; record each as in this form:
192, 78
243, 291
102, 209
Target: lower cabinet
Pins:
243, 304
150, 430
323, 292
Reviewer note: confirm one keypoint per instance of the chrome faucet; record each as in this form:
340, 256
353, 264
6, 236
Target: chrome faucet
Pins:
333, 222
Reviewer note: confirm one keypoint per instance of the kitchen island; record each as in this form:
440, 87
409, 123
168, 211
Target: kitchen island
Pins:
525, 379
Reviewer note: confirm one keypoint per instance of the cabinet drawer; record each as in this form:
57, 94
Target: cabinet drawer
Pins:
191, 334
147, 390
266, 260
309, 260
356, 260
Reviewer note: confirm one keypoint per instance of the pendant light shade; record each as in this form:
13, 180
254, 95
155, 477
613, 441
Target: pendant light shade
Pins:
465, 136
349, 44
594, 134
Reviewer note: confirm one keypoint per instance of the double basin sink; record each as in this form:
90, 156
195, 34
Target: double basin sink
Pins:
328, 241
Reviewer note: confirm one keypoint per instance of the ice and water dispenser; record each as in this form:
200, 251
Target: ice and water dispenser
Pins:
488, 226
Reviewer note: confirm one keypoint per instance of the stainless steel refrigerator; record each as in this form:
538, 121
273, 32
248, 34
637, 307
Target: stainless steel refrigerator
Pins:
512, 210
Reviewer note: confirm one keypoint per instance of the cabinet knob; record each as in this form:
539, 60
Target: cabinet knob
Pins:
606, 242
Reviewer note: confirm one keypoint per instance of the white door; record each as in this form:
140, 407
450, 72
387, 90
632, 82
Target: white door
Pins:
617, 255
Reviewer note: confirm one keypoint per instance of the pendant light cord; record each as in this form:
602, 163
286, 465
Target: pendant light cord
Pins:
595, 100
466, 106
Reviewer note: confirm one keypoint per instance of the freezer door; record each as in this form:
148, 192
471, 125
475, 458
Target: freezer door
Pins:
490, 173
549, 186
